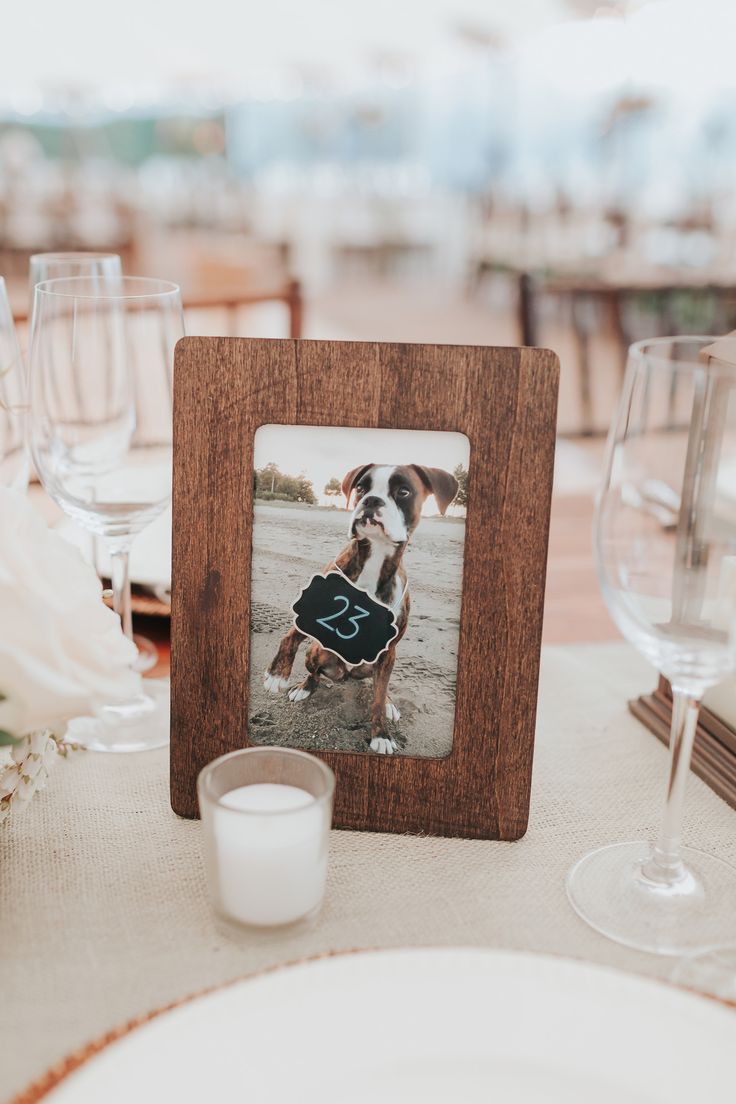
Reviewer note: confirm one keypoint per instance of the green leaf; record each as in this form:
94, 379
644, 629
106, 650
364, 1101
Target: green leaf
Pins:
5, 737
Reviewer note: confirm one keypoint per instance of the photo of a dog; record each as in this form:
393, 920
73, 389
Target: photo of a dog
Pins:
388, 509
310, 697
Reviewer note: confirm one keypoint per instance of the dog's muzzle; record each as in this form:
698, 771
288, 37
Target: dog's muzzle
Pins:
368, 519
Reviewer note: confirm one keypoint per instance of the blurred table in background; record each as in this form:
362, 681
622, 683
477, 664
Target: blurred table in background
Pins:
224, 275
622, 295
650, 303
229, 296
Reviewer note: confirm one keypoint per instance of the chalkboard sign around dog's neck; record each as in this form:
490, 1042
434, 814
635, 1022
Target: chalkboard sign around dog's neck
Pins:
345, 619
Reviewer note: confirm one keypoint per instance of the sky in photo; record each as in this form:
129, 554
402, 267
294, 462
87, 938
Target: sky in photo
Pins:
322, 453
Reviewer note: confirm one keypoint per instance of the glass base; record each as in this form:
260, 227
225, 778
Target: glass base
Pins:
147, 657
609, 891
241, 932
141, 724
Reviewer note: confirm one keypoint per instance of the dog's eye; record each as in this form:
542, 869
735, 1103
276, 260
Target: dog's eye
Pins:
361, 488
403, 492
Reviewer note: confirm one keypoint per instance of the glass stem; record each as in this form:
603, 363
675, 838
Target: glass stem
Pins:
666, 866
119, 557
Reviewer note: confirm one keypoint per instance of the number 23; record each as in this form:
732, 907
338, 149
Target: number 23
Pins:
359, 616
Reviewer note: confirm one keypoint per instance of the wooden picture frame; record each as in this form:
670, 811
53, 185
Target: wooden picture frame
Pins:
504, 400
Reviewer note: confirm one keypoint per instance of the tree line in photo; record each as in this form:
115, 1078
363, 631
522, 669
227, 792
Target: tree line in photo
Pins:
273, 485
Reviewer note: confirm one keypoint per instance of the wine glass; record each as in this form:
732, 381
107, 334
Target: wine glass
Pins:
54, 266
665, 548
14, 466
100, 432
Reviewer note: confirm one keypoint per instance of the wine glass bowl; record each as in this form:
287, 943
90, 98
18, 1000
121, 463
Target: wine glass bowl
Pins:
665, 550
101, 417
95, 266
673, 608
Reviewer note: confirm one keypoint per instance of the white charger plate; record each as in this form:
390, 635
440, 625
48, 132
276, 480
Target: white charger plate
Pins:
425, 1025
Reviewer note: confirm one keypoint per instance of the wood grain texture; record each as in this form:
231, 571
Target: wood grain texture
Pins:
505, 401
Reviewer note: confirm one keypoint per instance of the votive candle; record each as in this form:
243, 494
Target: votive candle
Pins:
266, 814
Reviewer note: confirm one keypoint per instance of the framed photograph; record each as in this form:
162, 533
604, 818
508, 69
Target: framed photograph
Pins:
360, 535
356, 581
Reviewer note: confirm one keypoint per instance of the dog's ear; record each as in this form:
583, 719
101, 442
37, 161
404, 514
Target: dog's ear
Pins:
351, 479
440, 483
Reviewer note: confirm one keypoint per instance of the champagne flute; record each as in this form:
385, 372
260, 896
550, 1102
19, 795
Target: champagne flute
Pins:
14, 466
96, 266
665, 548
100, 431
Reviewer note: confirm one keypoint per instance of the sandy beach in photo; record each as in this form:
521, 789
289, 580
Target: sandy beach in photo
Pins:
291, 542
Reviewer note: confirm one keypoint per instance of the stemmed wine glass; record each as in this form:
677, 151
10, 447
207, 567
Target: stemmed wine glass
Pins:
96, 266
13, 402
665, 548
100, 432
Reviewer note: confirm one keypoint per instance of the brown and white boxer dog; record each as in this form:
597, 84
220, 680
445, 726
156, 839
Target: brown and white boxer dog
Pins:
388, 508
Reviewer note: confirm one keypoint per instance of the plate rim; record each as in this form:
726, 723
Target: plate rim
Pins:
60, 1071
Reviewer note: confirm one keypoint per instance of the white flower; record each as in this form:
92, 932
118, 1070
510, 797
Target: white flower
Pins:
8, 773
25, 770
62, 651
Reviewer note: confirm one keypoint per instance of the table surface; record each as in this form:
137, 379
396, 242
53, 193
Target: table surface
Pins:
104, 913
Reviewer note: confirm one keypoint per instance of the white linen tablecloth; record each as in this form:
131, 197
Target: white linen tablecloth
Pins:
104, 914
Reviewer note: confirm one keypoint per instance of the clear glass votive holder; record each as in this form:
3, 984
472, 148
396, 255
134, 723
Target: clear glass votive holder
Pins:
266, 816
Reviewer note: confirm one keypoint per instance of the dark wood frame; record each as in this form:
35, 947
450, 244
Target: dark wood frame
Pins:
505, 401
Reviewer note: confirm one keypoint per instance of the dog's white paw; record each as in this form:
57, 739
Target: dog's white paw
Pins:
382, 745
392, 713
298, 693
274, 683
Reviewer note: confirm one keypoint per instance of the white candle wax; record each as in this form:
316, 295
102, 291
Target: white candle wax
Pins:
271, 853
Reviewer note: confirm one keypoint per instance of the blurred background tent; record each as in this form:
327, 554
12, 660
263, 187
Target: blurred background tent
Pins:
553, 171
